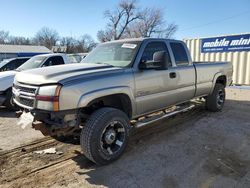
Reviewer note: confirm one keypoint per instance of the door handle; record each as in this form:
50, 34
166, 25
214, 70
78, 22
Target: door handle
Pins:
172, 74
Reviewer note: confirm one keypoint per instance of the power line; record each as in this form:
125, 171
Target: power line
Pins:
217, 21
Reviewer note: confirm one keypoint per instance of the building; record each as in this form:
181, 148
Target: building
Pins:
11, 51
232, 48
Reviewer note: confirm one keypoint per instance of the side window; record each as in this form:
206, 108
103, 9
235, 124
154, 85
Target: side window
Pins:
19, 62
3, 68
151, 48
57, 60
9, 66
180, 53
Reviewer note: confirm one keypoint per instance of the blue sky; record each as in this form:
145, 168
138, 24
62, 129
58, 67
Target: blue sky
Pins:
195, 18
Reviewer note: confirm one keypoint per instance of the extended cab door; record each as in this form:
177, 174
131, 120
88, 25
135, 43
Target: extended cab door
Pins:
154, 89
184, 72
158, 89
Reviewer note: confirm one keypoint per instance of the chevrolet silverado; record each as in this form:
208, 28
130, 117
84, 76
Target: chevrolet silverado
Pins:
119, 82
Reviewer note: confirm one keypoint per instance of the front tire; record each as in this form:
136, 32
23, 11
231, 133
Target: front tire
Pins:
105, 135
9, 103
216, 100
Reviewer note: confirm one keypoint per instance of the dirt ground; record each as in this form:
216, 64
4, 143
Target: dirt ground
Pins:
194, 149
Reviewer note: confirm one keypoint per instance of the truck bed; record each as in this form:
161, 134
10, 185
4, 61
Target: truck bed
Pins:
206, 72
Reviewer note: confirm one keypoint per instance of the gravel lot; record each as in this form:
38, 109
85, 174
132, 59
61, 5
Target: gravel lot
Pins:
194, 149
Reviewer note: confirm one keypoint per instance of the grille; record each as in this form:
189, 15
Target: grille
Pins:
27, 102
25, 89
24, 95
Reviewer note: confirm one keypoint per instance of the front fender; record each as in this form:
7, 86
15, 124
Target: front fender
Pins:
6, 83
86, 98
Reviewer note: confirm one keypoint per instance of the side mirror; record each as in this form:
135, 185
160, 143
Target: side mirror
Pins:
162, 59
143, 65
160, 62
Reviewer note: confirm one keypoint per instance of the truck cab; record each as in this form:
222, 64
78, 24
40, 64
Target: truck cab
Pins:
166, 86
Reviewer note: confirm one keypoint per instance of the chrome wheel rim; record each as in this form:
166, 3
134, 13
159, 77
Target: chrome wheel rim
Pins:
220, 98
113, 137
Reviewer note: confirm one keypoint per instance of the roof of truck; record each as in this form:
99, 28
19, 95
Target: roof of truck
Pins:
141, 39
51, 54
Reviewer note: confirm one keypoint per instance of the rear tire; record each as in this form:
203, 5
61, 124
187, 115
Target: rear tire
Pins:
216, 100
105, 135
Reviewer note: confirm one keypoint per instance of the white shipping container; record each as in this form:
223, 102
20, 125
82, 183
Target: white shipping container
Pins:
239, 59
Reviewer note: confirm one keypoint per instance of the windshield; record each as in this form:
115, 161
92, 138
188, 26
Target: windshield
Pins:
118, 54
32, 63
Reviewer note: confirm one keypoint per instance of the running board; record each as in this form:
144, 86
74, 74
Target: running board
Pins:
140, 124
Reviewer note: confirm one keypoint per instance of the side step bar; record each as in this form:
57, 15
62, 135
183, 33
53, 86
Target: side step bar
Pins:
180, 109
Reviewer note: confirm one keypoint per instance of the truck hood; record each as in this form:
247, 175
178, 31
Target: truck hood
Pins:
62, 73
6, 79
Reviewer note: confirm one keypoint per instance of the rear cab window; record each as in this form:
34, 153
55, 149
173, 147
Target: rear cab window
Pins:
180, 54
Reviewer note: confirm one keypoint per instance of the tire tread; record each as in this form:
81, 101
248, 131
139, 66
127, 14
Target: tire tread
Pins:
88, 131
211, 104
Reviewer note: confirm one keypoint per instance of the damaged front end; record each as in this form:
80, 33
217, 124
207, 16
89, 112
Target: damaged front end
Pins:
63, 123
43, 103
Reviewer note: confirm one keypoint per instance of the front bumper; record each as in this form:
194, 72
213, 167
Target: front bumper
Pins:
56, 123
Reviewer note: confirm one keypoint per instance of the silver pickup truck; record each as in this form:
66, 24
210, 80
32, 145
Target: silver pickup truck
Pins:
119, 82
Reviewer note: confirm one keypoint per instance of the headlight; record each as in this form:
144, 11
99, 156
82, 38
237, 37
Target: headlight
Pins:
48, 97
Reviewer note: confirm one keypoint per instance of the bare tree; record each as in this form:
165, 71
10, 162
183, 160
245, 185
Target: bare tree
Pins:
70, 43
128, 21
19, 40
4, 35
118, 20
170, 30
5, 38
49, 37
151, 24
46, 37
83, 44
104, 36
